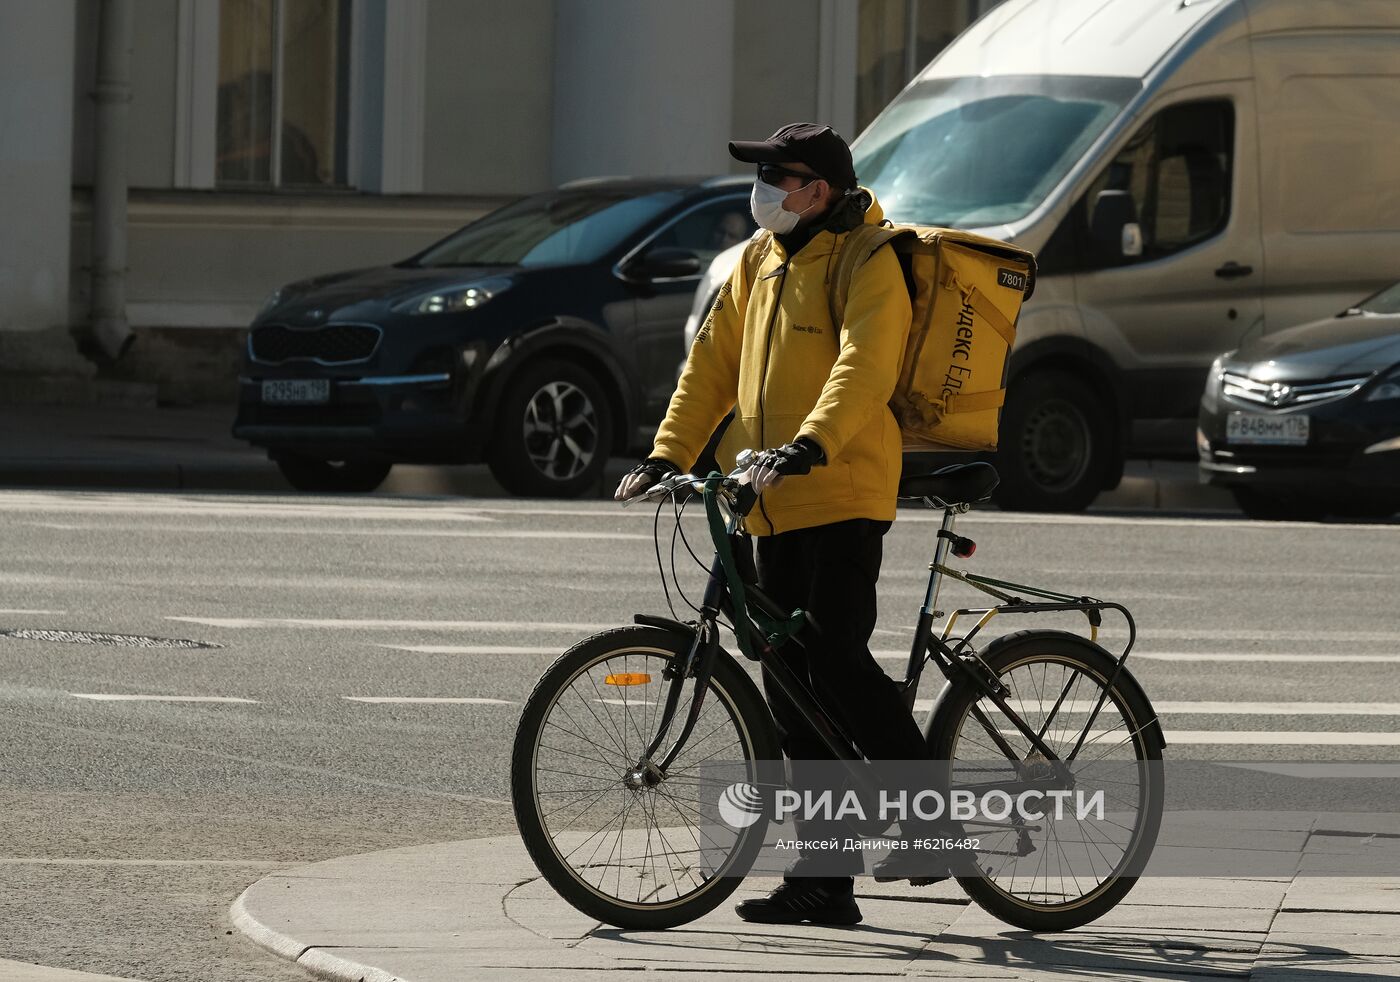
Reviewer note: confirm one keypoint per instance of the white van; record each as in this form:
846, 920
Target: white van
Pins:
1189, 172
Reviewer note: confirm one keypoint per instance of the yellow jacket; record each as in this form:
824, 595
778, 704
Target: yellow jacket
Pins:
769, 351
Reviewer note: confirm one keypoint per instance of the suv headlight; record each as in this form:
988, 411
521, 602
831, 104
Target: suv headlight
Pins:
454, 299
273, 299
1389, 388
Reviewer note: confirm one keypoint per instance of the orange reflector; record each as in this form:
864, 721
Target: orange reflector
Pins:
628, 678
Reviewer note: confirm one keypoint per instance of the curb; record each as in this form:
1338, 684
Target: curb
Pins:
317, 961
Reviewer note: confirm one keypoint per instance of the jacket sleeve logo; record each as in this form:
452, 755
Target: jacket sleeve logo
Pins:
703, 334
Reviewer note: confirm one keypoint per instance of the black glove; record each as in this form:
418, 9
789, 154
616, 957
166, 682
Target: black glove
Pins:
792, 459
656, 468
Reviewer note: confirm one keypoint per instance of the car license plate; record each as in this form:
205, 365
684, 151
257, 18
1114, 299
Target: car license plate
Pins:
1262, 428
305, 391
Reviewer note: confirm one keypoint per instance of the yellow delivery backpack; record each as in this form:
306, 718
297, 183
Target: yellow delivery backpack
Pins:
966, 292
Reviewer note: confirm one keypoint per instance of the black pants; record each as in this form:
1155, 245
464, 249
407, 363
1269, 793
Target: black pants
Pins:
831, 571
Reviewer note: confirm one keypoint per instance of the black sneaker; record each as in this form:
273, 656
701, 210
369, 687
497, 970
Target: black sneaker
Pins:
795, 901
921, 869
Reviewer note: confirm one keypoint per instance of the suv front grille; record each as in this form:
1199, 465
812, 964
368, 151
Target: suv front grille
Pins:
1282, 396
329, 344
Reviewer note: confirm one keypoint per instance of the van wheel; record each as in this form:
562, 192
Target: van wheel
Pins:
1053, 450
554, 432
315, 475
1278, 506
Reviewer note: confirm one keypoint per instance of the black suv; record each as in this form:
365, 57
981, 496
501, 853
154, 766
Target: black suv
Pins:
540, 338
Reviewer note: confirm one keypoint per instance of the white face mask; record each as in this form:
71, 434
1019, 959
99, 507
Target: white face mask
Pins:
766, 203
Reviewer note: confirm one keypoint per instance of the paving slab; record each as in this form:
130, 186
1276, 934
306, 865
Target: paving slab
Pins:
478, 909
1371, 894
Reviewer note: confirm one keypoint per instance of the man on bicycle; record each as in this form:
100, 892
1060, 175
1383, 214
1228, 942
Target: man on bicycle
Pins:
815, 395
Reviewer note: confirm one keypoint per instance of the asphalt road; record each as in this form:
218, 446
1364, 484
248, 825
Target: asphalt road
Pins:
130, 825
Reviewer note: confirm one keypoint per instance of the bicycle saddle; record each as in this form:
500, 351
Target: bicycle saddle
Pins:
956, 484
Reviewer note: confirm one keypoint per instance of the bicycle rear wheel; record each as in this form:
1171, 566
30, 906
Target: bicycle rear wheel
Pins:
1055, 874
649, 856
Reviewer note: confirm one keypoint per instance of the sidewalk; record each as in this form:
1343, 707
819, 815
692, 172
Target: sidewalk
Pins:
191, 449
478, 910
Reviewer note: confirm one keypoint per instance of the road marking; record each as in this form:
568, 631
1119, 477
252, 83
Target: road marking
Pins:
1220, 656
1290, 738
342, 532
1254, 656
431, 700
1196, 634
475, 649
124, 697
1331, 769
20, 610
253, 508
361, 624
1217, 708
70, 861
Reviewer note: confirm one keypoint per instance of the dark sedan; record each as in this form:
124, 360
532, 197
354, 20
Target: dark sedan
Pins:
540, 338
1306, 422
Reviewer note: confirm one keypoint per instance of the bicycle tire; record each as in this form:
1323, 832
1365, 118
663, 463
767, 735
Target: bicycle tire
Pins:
1002, 656
729, 684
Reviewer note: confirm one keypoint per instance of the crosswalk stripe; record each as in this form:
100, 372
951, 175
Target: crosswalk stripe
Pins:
128, 697
1255, 656
431, 700
341, 532
475, 649
1109, 636
1291, 738
366, 624
1221, 656
1170, 708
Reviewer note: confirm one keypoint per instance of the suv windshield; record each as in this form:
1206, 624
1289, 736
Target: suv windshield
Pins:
1385, 302
553, 229
972, 152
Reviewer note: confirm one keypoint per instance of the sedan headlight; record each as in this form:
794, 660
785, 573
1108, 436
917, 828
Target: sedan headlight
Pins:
1388, 389
454, 299
1210, 397
273, 299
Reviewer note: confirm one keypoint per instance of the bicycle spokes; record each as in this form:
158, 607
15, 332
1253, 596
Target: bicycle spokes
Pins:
627, 830
1064, 856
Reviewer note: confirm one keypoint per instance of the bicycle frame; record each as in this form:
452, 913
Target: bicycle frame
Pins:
957, 661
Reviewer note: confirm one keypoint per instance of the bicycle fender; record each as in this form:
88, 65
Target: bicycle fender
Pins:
940, 715
665, 623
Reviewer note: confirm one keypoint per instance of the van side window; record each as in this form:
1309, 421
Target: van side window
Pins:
1172, 179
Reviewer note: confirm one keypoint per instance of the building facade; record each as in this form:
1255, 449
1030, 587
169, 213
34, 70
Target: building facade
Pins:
165, 164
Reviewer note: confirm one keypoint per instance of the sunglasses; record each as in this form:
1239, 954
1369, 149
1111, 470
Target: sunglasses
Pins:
773, 174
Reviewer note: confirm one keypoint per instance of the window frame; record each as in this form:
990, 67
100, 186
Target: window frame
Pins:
1084, 259
619, 267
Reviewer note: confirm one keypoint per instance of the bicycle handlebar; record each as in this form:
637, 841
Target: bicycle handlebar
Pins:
742, 497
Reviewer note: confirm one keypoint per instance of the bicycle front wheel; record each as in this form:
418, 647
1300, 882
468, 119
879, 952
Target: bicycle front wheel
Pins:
637, 854
1059, 871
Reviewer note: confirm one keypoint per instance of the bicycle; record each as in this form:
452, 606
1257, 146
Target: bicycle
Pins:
584, 723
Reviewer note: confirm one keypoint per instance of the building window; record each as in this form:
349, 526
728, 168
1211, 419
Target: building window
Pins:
897, 38
283, 93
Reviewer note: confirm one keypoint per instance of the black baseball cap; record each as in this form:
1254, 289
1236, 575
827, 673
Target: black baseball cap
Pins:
819, 147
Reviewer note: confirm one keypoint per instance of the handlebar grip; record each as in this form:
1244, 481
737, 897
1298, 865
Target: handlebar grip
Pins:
744, 499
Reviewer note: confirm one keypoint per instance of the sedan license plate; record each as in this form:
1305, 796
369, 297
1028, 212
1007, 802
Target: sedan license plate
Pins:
1264, 429
301, 391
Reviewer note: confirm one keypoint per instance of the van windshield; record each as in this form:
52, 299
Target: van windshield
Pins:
1385, 302
973, 152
